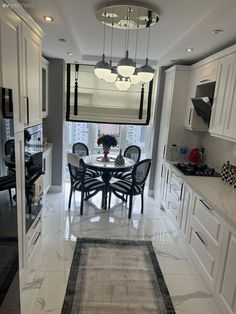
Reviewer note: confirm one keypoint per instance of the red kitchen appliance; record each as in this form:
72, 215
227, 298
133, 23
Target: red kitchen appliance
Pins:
195, 156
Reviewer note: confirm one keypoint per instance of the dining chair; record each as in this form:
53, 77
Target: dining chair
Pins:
132, 152
80, 181
132, 187
81, 150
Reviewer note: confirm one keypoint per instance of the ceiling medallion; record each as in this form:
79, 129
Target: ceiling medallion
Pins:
126, 17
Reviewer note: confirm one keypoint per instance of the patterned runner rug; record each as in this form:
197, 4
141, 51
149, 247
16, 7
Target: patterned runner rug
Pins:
114, 277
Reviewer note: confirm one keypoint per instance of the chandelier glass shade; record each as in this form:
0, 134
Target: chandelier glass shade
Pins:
111, 77
146, 73
122, 83
102, 69
126, 17
126, 66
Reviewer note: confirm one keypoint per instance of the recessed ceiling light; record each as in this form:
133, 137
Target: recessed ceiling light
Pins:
63, 40
217, 31
69, 53
189, 50
48, 18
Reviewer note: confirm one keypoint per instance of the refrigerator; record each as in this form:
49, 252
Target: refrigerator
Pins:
11, 236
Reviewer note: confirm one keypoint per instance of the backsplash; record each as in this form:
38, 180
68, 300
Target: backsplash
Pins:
218, 151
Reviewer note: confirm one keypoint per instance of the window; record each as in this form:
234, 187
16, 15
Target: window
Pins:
88, 134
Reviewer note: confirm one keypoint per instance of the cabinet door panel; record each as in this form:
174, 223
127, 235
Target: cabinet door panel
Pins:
222, 90
230, 121
226, 284
32, 76
185, 208
10, 36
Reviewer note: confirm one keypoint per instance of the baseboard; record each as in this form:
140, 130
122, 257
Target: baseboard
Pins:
55, 188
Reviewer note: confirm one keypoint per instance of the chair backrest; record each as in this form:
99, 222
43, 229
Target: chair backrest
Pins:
76, 167
133, 152
80, 149
9, 147
140, 171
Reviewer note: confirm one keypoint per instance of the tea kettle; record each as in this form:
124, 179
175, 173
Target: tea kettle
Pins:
196, 155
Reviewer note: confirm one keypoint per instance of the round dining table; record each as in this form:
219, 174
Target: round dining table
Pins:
107, 169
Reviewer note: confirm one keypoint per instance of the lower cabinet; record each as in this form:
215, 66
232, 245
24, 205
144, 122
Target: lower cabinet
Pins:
205, 240
210, 241
225, 293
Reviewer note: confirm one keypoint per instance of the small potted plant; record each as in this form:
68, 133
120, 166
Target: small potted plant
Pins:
107, 141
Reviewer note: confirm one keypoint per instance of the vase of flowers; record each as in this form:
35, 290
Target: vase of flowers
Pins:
107, 141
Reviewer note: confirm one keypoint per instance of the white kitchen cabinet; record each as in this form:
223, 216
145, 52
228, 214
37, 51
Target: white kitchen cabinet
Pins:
185, 208
192, 121
207, 73
221, 96
164, 183
32, 76
10, 39
205, 236
45, 65
47, 168
225, 293
173, 109
229, 130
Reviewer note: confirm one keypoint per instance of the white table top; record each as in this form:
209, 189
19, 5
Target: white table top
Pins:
92, 160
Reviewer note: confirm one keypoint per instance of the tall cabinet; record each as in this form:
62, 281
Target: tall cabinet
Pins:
171, 128
20, 72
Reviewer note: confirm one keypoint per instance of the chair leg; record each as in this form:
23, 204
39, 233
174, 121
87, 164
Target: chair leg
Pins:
130, 205
109, 200
71, 191
142, 202
82, 204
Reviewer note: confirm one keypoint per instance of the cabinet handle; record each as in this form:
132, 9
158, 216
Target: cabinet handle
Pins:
164, 151
27, 109
201, 239
206, 80
207, 206
181, 191
190, 115
161, 170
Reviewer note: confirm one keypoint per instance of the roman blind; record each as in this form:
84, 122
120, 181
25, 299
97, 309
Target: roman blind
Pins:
89, 99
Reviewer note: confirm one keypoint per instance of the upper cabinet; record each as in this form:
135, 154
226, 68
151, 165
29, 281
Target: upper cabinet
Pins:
10, 52
32, 77
201, 80
224, 106
45, 64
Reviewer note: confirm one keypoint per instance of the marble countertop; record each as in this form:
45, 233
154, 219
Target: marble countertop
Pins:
218, 194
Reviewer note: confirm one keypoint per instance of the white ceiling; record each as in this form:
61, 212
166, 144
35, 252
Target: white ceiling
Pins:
183, 23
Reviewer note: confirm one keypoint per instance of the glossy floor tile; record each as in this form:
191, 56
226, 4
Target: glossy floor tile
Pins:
49, 269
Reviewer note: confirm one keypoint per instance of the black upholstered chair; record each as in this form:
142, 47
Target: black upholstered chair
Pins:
81, 150
133, 152
132, 187
80, 181
9, 147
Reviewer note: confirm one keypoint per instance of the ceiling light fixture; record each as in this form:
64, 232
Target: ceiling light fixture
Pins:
62, 40
48, 18
69, 53
102, 68
217, 31
189, 50
126, 17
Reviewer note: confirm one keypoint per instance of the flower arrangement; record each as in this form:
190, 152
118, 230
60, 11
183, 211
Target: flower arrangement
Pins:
107, 141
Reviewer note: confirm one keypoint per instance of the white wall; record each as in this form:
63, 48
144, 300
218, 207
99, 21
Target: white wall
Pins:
218, 151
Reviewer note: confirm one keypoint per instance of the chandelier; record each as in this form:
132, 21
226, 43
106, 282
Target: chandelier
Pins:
127, 18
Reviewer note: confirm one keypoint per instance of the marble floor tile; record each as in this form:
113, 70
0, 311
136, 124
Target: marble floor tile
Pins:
46, 285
